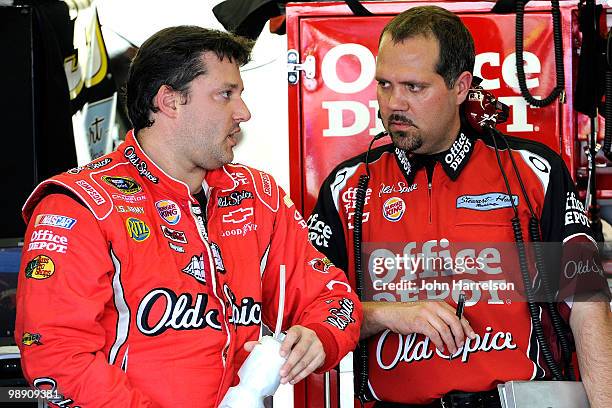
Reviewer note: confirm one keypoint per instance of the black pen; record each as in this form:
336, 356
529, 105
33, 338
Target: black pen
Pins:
459, 312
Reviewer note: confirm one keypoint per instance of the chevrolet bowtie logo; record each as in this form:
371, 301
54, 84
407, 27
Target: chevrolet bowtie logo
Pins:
238, 216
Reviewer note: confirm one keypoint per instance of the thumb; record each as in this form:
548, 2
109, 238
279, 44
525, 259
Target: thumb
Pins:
250, 345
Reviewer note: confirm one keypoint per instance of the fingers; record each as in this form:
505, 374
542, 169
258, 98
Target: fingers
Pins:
249, 345
468, 329
306, 354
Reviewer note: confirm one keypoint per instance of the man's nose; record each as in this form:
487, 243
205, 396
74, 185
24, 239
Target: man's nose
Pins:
242, 113
398, 101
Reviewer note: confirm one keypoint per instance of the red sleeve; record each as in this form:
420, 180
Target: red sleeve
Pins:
318, 295
64, 285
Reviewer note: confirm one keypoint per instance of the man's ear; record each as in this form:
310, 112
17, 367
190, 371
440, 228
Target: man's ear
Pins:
462, 86
166, 101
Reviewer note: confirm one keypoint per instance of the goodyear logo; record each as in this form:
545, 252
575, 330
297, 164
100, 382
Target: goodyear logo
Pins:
138, 230
169, 211
39, 268
393, 209
126, 185
30, 338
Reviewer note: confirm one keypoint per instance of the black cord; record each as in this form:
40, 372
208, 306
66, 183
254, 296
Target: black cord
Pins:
558, 45
522, 255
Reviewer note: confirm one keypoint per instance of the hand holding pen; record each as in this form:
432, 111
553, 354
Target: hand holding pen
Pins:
459, 312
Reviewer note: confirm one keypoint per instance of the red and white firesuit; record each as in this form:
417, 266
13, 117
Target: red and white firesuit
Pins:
463, 205
133, 295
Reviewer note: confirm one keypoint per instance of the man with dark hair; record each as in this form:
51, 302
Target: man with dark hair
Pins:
148, 272
438, 193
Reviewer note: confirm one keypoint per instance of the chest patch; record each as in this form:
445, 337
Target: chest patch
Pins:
486, 202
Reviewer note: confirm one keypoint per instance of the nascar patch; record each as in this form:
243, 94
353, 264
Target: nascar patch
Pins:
40, 268
126, 185
137, 229
54, 220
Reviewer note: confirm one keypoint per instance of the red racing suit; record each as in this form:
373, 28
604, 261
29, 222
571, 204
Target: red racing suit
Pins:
133, 295
433, 207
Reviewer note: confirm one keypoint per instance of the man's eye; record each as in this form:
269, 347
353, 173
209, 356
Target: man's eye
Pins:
414, 87
383, 84
226, 94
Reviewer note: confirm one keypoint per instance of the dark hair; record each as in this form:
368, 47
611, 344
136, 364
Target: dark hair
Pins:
172, 57
456, 43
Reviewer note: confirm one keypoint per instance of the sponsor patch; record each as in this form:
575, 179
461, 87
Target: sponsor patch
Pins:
53, 220
138, 230
400, 187
217, 258
92, 192
266, 183
341, 317
174, 235
240, 231
31, 338
458, 151
403, 159
319, 233
129, 209
486, 202
240, 177
393, 209
237, 216
574, 211
169, 211
126, 185
321, 264
39, 268
129, 198
176, 248
46, 239
235, 198
195, 268
139, 164
90, 166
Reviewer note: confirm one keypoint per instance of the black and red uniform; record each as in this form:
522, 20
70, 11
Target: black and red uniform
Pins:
436, 207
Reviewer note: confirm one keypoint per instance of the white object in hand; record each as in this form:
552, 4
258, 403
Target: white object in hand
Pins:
259, 375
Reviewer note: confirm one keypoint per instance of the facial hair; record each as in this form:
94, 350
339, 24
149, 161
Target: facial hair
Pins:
409, 140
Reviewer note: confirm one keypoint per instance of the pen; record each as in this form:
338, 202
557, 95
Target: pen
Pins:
459, 312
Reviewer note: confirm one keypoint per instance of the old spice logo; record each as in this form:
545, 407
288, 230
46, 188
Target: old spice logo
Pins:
90, 166
177, 312
342, 316
400, 187
235, 198
247, 312
393, 209
415, 347
139, 164
169, 211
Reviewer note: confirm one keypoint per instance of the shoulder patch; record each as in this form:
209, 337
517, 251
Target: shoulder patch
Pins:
266, 189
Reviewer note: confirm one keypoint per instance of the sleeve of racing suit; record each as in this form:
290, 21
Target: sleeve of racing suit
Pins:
564, 224
318, 295
325, 229
64, 285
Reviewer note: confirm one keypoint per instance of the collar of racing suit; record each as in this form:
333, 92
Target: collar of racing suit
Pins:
452, 160
219, 178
